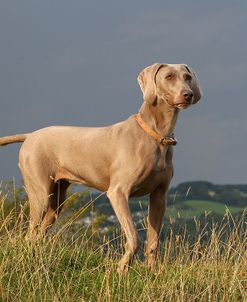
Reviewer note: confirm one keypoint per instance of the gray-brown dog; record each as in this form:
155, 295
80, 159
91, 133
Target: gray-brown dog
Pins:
130, 158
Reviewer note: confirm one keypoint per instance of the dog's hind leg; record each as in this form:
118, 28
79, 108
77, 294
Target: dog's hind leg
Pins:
39, 198
56, 201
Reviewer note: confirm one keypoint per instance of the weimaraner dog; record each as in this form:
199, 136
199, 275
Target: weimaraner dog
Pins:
130, 158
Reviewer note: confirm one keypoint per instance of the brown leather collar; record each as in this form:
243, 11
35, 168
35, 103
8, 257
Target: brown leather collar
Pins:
167, 140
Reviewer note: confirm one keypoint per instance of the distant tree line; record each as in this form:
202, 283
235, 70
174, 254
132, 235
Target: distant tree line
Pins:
234, 195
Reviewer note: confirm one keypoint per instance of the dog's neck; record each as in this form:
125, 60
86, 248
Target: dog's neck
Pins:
160, 117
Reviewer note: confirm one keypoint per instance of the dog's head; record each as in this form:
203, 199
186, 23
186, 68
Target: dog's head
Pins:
176, 84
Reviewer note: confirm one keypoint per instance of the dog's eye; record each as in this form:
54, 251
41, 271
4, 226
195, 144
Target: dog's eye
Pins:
187, 77
169, 76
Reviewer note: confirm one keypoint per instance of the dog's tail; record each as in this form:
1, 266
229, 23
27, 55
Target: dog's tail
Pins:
18, 138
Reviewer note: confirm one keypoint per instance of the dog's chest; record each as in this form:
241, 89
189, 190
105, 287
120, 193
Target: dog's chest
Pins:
160, 161
154, 172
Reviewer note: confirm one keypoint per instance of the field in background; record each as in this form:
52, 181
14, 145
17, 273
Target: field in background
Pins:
197, 208
76, 263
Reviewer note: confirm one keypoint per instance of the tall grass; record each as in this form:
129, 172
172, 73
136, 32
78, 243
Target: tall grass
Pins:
70, 266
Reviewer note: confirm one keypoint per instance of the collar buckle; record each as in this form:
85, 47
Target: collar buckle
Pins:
169, 140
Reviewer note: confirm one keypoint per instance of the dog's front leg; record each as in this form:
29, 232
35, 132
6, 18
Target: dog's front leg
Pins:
119, 201
157, 208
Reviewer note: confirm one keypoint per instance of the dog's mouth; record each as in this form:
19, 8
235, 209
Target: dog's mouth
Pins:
182, 105
179, 105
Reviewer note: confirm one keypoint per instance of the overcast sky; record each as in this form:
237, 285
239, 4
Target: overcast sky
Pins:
76, 63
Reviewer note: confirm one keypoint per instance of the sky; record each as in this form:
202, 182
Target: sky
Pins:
76, 63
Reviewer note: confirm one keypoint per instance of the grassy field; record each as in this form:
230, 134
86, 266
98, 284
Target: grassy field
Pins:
199, 207
70, 266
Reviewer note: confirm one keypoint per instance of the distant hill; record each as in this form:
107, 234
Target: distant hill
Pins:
229, 194
189, 200
234, 195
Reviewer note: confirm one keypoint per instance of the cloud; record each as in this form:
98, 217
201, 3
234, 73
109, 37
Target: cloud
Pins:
210, 148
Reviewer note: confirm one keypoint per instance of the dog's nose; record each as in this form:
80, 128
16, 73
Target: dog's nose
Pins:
188, 95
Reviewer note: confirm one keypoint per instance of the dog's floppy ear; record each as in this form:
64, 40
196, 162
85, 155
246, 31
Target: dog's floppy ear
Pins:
146, 80
195, 86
